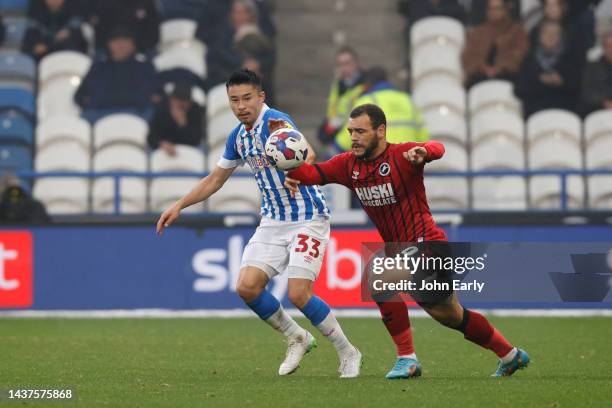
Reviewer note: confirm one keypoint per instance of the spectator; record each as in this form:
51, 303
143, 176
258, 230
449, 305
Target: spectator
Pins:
231, 44
53, 25
178, 120
345, 90
414, 10
496, 48
575, 36
122, 82
17, 206
404, 121
597, 80
550, 76
477, 11
254, 65
140, 16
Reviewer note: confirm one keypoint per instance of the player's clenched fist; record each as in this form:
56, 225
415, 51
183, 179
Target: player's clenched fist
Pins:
167, 218
416, 155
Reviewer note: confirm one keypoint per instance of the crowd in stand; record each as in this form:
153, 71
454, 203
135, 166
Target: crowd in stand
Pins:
545, 59
124, 42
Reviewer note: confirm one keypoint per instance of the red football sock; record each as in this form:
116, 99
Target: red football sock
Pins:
395, 317
477, 329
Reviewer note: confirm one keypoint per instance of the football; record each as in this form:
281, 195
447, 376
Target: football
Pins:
286, 149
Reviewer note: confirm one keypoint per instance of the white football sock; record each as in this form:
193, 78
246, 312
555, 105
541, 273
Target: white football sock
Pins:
284, 323
331, 329
510, 356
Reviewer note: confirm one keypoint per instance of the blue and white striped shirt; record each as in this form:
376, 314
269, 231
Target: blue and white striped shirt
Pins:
247, 146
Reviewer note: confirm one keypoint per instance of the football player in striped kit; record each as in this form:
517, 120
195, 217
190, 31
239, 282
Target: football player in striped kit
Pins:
292, 235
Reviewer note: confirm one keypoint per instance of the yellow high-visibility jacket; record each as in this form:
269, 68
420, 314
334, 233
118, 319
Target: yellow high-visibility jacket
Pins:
404, 120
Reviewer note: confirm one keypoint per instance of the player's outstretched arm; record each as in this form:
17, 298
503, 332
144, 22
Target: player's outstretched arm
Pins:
424, 152
204, 189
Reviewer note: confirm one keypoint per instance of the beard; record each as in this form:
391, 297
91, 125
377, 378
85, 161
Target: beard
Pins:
368, 150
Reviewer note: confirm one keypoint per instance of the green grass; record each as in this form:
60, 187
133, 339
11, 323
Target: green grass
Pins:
233, 362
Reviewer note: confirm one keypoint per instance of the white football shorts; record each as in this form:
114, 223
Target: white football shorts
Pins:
297, 247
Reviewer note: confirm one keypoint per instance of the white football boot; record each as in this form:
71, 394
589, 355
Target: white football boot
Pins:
298, 346
350, 363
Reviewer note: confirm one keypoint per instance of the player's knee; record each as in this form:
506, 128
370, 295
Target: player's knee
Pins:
247, 291
298, 296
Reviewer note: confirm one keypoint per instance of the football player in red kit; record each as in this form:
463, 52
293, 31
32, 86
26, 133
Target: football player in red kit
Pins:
388, 180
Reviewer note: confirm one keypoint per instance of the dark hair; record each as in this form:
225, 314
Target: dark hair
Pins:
244, 76
347, 50
374, 75
376, 115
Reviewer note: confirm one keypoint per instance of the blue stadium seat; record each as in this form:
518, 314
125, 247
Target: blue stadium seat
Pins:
15, 129
15, 157
14, 6
15, 28
18, 99
17, 69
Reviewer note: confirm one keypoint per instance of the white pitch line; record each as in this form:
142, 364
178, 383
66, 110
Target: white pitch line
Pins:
236, 313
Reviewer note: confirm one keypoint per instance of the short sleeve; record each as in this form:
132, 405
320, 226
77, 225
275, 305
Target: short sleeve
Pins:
231, 158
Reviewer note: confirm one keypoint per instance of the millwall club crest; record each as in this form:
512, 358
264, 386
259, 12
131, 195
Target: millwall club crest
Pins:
384, 169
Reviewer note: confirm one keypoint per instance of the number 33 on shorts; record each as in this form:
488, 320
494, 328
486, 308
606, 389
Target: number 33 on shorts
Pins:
307, 251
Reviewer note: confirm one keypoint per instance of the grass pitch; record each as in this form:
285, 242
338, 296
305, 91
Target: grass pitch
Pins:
233, 362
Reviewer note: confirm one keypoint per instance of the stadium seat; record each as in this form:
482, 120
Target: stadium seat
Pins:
62, 65
14, 6
57, 99
63, 130
191, 58
15, 28
219, 128
436, 59
187, 158
120, 158
446, 126
179, 32
217, 101
499, 193
598, 138
439, 96
16, 129
488, 123
600, 192
438, 30
554, 140
455, 159
165, 191
493, 95
67, 195
500, 152
239, 194
120, 128
17, 69
17, 99
62, 157
15, 157
446, 193
545, 192
215, 154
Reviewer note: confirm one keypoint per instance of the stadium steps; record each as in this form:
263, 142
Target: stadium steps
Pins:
306, 47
